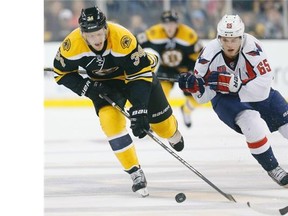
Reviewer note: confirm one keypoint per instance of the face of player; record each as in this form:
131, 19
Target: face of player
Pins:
96, 39
231, 46
170, 28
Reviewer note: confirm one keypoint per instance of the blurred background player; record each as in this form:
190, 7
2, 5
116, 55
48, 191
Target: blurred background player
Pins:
178, 47
118, 67
238, 80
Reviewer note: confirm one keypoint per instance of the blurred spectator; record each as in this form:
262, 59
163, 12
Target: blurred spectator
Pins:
259, 31
47, 34
249, 19
52, 25
199, 24
274, 24
76, 7
242, 6
263, 18
65, 19
137, 24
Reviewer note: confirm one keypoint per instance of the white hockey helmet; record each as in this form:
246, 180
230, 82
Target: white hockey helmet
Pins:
230, 26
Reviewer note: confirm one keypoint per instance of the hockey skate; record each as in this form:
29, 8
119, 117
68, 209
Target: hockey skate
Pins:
177, 141
186, 117
279, 175
139, 183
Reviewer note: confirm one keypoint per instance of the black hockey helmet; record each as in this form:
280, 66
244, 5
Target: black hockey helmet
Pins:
92, 19
169, 16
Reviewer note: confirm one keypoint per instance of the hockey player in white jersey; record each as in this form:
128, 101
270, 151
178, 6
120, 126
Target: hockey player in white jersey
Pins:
233, 72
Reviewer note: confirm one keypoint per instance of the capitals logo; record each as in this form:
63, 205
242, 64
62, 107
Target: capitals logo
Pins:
202, 60
255, 52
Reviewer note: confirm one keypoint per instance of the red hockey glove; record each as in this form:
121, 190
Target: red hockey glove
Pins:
224, 82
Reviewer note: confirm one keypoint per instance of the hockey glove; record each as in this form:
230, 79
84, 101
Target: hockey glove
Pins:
94, 89
224, 82
139, 121
190, 83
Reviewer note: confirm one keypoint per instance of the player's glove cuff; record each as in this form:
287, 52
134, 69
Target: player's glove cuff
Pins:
139, 121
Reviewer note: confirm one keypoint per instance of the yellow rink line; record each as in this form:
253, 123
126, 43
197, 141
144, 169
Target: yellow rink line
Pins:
50, 103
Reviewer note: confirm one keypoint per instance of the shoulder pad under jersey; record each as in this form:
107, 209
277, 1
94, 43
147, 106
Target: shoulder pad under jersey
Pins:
73, 45
120, 40
155, 33
186, 34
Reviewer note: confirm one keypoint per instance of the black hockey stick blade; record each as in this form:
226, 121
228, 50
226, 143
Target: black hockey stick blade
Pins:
230, 197
282, 211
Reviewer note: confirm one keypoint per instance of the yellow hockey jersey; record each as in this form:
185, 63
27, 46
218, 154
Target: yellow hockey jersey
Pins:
178, 54
121, 58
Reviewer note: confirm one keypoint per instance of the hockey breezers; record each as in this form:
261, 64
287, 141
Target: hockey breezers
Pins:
150, 134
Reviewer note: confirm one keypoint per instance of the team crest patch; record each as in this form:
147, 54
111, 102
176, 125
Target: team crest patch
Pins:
125, 41
66, 44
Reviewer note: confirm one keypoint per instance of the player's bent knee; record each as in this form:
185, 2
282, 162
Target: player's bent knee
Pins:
252, 125
111, 121
166, 128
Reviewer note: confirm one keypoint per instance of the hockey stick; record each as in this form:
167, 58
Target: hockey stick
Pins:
281, 211
48, 69
167, 79
270, 212
150, 134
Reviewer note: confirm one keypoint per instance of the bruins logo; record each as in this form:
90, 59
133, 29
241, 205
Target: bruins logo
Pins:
66, 44
125, 41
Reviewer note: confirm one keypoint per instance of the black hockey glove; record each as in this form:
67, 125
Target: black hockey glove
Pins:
188, 82
94, 89
139, 121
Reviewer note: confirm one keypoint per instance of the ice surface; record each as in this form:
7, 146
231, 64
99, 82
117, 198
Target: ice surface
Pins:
84, 178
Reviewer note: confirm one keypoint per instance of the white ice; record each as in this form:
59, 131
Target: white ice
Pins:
84, 178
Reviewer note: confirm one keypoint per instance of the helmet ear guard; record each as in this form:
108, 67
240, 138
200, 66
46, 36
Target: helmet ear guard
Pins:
92, 19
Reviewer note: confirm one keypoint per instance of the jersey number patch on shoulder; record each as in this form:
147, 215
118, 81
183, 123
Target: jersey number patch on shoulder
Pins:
137, 55
264, 67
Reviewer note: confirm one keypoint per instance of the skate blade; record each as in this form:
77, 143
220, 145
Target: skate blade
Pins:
143, 192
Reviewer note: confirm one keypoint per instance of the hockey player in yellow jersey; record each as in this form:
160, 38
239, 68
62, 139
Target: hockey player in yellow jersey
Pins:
118, 67
178, 47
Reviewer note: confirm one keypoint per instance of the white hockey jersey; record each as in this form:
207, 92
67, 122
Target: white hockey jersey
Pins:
252, 67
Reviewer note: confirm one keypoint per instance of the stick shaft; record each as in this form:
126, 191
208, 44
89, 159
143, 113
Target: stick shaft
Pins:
48, 69
150, 134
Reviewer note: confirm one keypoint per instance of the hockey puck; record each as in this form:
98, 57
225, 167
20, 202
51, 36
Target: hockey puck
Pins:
180, 197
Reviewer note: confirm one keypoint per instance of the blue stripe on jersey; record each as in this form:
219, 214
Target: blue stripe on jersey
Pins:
120, 142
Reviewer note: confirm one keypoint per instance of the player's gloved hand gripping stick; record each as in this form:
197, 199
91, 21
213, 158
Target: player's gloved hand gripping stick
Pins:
150, 134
